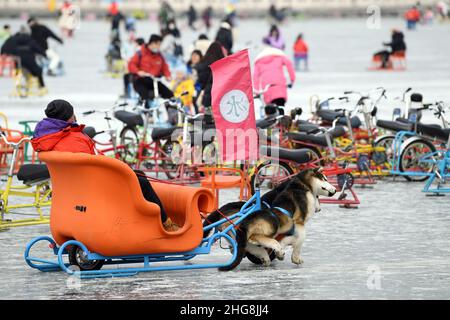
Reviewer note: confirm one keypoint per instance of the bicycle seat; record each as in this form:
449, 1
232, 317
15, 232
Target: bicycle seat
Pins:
396, 126
307, 127
265, 123
162, 133
90, 132
196, 120
296, 155
129, 118
331, 115
434, 131
31, 173
319, 139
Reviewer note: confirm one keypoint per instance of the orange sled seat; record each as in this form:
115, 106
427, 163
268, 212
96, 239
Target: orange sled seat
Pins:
398, 60
97, 200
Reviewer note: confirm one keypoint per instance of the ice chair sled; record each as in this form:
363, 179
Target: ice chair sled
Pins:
396, 62
99, 214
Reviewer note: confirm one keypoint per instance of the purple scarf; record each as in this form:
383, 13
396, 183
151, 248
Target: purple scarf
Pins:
50, 125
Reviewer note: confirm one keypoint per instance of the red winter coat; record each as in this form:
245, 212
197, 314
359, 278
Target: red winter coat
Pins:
70, 139
149, 62
300, 47
412, 15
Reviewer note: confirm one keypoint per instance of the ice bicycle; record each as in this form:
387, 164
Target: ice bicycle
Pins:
418, 147
440, 160
99, 217
35, 187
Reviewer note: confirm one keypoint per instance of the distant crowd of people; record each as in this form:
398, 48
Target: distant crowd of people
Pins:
426, 15
163, 56
186, 69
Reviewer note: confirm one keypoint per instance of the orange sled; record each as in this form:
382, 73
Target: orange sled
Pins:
99, 217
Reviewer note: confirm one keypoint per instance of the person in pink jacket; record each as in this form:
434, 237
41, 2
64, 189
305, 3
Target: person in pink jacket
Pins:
269, 70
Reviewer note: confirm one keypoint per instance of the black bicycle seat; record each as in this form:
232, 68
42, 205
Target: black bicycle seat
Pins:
129, 118
265, 123
308, 127
90, 132
30, 173
162, 133
296, 155
319, 139
433, 131
331, 115
395, 126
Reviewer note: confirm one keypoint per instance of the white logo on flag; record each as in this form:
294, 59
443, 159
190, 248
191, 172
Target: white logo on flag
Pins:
234, 106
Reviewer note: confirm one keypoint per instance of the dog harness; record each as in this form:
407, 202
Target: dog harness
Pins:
291, 232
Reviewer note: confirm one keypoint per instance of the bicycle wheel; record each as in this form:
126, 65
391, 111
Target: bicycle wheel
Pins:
410, 159
171, 156
130, 142
270, 174
387, 143
210, 154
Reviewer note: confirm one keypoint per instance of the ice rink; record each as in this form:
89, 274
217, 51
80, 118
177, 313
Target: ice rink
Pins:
396, 245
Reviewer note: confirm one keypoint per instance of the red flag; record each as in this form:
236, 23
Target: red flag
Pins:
233, 108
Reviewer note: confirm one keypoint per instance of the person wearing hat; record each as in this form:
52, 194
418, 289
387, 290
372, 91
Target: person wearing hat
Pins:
60, 132
146, 64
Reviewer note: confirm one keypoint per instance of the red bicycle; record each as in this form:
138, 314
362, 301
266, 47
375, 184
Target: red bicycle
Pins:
279, 164
110, 147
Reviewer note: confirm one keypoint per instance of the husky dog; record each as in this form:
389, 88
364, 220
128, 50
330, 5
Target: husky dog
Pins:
289, 207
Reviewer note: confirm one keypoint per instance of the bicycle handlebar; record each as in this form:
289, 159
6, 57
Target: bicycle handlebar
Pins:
150, 76
117, 105
15, 144
259, 92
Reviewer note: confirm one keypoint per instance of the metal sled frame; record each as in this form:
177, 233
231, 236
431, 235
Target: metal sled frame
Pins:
146, 260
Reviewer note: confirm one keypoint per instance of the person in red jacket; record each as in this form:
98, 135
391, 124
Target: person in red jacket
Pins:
60, 132
412, 16
147, 64
300, 52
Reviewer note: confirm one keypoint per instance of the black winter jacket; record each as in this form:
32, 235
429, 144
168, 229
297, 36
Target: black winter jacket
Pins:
41, 33
23, 46
205, 80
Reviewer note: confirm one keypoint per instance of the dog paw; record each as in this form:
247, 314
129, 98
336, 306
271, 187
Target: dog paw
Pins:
280, 254
265, 262
297, 259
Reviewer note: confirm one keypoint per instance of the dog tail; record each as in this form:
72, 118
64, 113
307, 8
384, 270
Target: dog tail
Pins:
227, 210
241, 240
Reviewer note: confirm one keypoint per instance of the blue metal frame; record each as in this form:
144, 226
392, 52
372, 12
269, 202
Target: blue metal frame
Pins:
400, 137
204, 248
442, 172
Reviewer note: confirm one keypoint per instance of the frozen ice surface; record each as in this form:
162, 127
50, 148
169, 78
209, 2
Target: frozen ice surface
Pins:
397, 233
